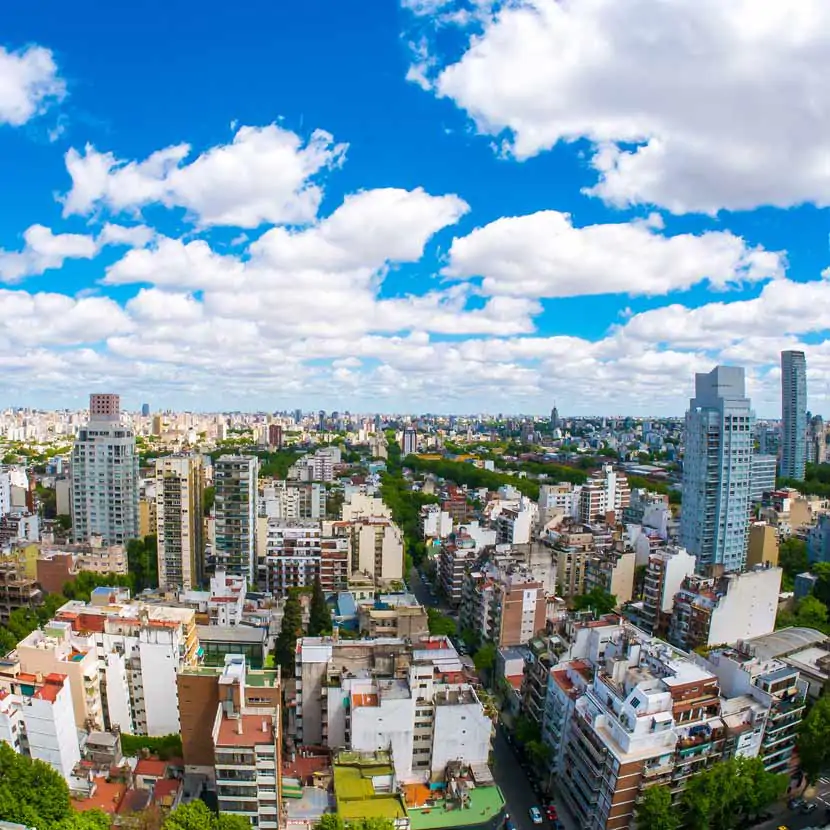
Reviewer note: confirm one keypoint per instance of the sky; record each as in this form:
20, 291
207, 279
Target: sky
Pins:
412, 205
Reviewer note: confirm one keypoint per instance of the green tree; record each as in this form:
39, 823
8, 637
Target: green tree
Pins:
597, 600
333, 821
31, 792
655, 811
291, 628
320, 616
814, 739
142, 562
208, 498
821, 589
439, 624
88, 820
792, 556
64, 522
197, 816
527, 730
485, 658
330, 821
812, 613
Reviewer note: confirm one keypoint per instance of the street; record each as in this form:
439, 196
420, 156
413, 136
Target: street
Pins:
421, 590
516, 788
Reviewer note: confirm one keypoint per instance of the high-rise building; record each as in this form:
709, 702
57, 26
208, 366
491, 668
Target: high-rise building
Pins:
145, 410
409, 442
235, 482
554, 418
180, 485
794, 414
105, 476
717, 470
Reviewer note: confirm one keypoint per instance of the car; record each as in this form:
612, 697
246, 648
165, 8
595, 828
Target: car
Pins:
550, 812
508, 825
557, 825
796, 803
535, 815
808, 807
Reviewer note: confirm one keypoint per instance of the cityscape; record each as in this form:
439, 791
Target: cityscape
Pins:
412, 415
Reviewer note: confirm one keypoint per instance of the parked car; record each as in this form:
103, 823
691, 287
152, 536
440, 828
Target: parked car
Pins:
535, 815
796, 803
550, 812
808, 807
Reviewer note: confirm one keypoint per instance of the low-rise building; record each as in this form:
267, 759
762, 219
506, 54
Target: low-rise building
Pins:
612, 571
393, 615
763, 545
17, 588
435, 523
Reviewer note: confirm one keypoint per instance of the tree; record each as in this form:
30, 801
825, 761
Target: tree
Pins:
31, 792
792, 556
320, 616
527, 730
814, 739
64, 522
142, 562
439, 624
821, 589
485, 658
729, 791
208, 498
291, 628
597, 600
812, 613
655, 811
197, 816
330, 821
333, 821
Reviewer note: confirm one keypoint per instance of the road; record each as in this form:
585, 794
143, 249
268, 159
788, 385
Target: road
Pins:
516, 788
421, 590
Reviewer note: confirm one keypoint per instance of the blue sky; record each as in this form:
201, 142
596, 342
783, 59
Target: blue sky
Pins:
432, 205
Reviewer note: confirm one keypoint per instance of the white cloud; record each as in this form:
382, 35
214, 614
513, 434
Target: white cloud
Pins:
723, 100
29, 83
544, 255
134, 236
43, 250
263, 177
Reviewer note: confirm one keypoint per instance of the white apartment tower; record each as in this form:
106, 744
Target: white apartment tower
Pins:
180, 484
717, 470
105, 476
409, 442
235, 481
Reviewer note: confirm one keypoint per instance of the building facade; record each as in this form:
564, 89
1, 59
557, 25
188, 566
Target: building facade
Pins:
794, 414
717, 470
180, 486
235, 483
104, 471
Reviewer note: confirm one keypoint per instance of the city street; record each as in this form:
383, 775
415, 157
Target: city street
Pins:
516, 788
421, 590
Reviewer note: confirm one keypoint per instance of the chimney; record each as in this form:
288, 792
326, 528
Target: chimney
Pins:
239, 726
265, 726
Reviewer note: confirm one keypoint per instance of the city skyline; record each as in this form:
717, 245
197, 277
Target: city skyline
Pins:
431, 213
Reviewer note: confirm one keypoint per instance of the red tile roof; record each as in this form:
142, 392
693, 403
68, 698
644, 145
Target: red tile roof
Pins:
151, 767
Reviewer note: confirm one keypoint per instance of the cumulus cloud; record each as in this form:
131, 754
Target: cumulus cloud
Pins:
29, 83
43, 250
264, 176
694, 105
544, 255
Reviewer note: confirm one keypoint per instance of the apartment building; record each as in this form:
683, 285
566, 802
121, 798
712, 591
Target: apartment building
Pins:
714, 610
140, 649
297, 552
231, 734
17, 588
291, 500
666, 571
36, 719
180, 485
557, 500
454, 502
104, 470
235, 483
612, 571
457, 555
52, 651
502, 603
317, 466
764, 468
606, 492
763, 545
410, 697
435, 523
515, 522
574, 545
393, 615
359, 505
776, 686
794, 414
376, 546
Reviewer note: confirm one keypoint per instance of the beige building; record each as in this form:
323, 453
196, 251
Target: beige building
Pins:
146, 517
613, 572
375, 546
53, 650
393, 616
763, 545
180, 485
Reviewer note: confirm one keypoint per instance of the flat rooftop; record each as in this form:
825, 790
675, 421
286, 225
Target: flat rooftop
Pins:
485, 804
244, 634
246, 730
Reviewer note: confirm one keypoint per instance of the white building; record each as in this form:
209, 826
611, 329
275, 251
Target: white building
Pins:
376, 546
514, 524
291, 500
36, 720
363, 505
235, 482
665, 573
557, 500
764, 468
105, 476
435, 522
717, 470
180, 485
409, 442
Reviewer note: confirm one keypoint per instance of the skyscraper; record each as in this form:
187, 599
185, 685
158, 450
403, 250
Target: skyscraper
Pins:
794, 414
145, 410
717, 470
235, 482
180, 485
105, 475
409, 442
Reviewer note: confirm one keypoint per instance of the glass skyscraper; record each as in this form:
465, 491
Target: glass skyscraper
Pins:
717, 470
794, 414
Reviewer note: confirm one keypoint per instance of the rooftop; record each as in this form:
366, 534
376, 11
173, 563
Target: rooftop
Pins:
485, 804
231, 634
246, 730
783, 641
107, 797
